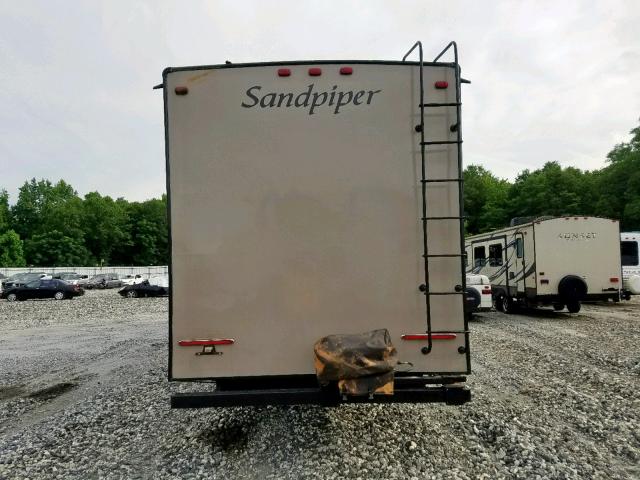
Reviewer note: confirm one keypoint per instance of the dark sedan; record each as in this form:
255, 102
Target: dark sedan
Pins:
57, 289
144, 289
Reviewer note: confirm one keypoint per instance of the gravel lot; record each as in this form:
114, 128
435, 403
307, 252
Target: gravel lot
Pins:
83, 394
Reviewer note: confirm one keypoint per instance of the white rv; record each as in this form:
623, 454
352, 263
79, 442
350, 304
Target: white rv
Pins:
555, 261
630, 265
314, 198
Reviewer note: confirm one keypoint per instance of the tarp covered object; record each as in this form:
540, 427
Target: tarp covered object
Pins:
361, 364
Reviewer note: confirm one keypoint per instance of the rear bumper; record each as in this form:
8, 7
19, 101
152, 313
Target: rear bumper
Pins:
407, 390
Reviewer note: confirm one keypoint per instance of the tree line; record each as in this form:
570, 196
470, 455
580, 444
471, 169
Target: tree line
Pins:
612, 191
50, 225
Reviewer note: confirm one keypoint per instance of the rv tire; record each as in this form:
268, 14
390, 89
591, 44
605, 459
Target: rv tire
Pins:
572, 289
573, 307
497, 303
508, 305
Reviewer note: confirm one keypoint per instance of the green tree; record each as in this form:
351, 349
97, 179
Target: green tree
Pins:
54, 249
11, 250
148, 234
42, 208
552, 190
105, 226
618, 184
485, 200
5, 214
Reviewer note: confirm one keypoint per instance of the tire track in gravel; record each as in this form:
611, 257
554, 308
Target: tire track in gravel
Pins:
85, 365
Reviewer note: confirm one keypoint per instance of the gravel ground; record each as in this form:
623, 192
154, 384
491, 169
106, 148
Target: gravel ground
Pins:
83, 394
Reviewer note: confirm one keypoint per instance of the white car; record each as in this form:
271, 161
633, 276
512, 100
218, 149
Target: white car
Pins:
132, 279
479, 288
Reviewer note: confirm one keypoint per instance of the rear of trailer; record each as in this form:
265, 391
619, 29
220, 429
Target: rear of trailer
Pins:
308, 199
629, 248
555, 261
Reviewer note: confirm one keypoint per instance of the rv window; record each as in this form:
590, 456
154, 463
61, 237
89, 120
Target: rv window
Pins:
479, 256
495, 255
629, 251
519, 249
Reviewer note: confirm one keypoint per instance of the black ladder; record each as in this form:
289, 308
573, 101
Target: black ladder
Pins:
456, 127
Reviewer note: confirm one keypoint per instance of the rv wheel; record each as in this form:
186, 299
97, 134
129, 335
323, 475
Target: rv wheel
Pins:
497, 303
508, 305
573, 307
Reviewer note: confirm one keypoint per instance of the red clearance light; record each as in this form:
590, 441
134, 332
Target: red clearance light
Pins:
544, 282
424, 336
207, 342
315, 72
486, 292
614, 279
181, 90
284, 72
441, 84
346, 71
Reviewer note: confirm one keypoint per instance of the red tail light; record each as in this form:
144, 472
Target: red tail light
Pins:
486, 291
614, 279
424, 336
206, 342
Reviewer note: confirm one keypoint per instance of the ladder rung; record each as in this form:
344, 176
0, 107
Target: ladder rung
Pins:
454, 104
440, 180
442, 142
442, 255
442, 218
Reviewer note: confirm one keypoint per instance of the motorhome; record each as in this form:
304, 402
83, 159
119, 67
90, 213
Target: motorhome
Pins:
557, 262
317, 198
630, 265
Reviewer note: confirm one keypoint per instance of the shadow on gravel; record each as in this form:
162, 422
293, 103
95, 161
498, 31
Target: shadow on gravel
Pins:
231, 435
11, 391
49, 393
233, 431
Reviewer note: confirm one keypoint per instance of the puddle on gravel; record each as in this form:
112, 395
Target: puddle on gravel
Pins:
53, 391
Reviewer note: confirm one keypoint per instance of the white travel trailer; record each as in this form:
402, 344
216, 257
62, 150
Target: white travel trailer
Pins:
630, 264
555, 261
313, 198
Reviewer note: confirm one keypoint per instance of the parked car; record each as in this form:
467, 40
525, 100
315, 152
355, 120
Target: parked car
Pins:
102, 280
23, 278
47, 288
154, 287
478, 293
132, 279
71, 278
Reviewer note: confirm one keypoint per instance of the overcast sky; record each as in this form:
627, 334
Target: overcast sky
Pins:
551, 80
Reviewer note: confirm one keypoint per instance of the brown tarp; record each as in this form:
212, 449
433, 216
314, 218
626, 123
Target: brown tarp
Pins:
362, 364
